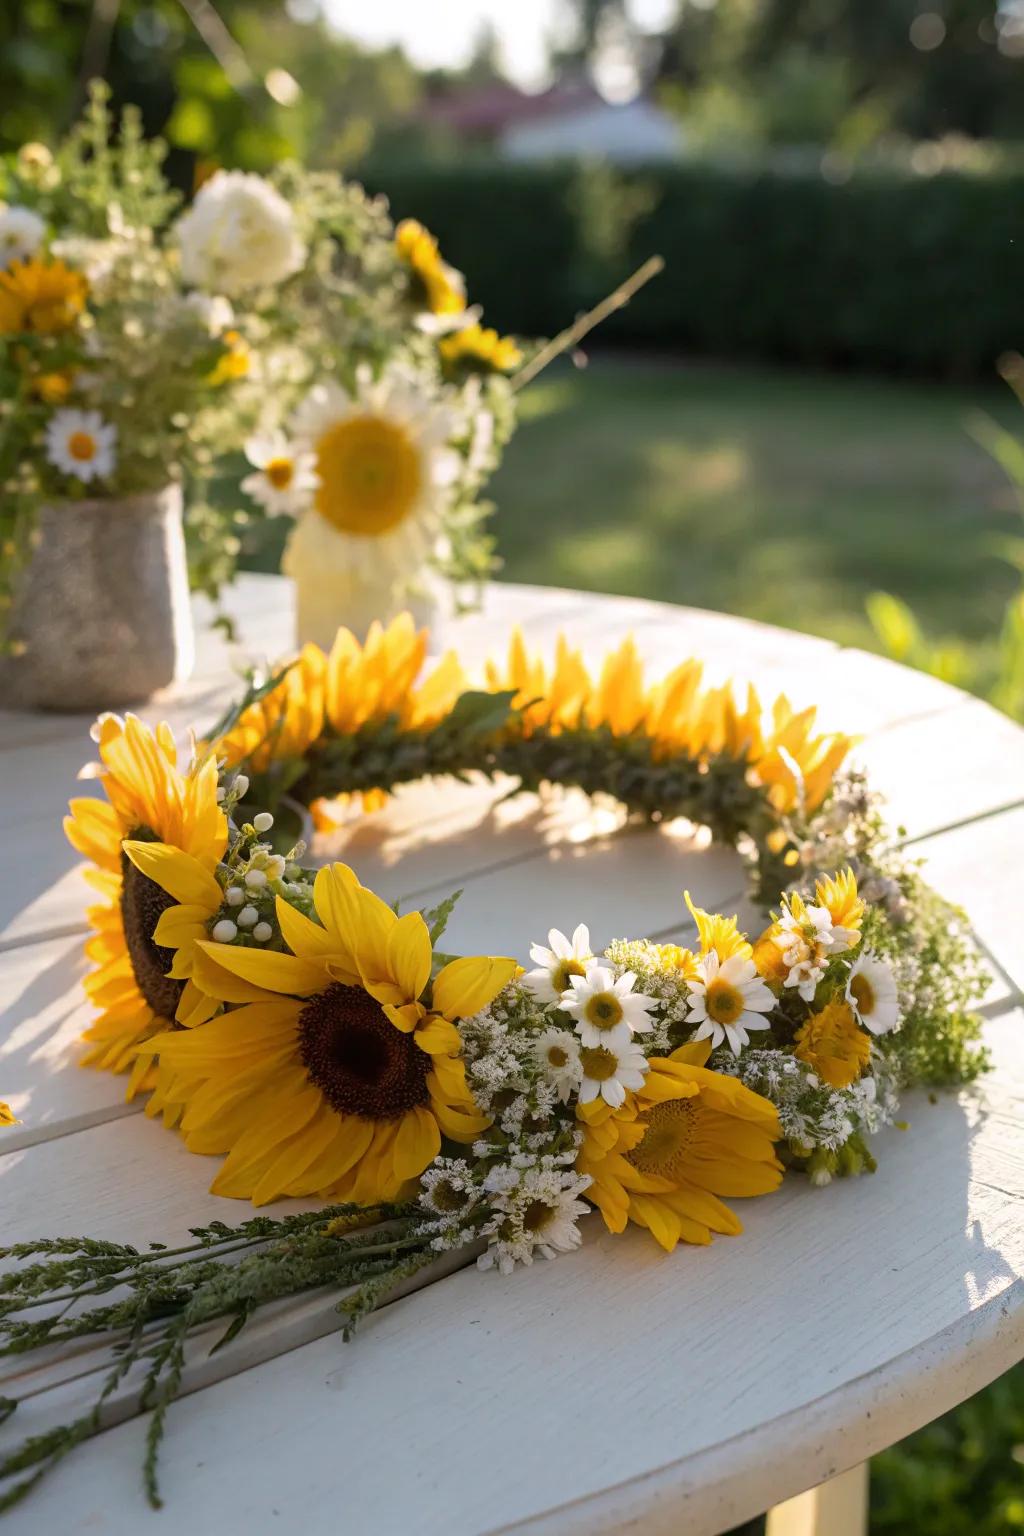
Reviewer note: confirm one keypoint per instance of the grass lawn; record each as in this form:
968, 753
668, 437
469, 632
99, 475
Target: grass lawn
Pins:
782, 496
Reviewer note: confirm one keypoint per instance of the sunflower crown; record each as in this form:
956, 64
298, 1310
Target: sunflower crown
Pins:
288, 1021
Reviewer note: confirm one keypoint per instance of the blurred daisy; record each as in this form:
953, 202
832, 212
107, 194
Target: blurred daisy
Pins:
728, 1000
212, 310
872, 994
82, 444
21, 234
604, 1005
564, 959
285, 477
384, 472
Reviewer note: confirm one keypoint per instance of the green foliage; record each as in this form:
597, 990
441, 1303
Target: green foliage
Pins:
900, 633
961, 1476
759, 263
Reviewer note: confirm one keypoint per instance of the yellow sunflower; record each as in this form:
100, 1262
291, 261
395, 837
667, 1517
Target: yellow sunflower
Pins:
832, 1045
148, 798
340, 1070
480, 346
438, 286
41, 296
685, 1138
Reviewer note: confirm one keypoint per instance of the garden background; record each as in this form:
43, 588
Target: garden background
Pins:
810, 418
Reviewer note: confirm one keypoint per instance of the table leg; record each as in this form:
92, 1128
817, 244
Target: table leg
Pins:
836, 1508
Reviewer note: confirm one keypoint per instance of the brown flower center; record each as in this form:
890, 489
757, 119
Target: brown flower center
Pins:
562, 972
142, 905
360, 1062
538, 1216
666, 1144
863, 994
724, 1002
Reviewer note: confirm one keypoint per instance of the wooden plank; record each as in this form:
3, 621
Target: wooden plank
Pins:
728, 1362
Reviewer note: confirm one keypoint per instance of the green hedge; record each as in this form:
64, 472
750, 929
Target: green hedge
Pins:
892, 272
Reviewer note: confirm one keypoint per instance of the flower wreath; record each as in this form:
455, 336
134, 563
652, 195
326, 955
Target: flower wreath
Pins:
291, 1021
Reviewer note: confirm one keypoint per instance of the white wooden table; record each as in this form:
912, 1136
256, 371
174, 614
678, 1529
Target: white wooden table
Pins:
616, 1389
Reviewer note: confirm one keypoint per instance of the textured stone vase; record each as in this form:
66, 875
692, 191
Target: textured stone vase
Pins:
102, 610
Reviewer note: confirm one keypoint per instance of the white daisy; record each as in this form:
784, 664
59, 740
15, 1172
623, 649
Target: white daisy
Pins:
557, 1053
285, 477
556, 964
240, 233
536, 1211
728, 1001
610, 1068
21, 233
604, 1004
82, 444
872, 993
386, 474
808, 941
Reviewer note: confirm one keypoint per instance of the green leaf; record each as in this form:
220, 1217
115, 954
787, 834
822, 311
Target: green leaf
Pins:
480, 714
436, 918
895, 625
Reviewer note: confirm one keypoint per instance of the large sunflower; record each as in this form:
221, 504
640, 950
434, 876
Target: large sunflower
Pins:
685, 1138
339, 1072
149, 798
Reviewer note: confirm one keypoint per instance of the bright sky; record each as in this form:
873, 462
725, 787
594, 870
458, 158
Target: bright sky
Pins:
443, 32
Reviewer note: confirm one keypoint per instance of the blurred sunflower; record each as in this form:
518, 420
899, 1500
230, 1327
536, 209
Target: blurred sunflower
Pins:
685, 1138
339, 1071
46, 297
149, 799
436, 286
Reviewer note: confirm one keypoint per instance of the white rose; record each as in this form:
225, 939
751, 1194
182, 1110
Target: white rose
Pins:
239, 233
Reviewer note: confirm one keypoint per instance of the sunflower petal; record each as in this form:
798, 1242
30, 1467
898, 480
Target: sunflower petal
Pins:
465, 986
267, 969
438, 1037
175, 872
417, 1144
409, 955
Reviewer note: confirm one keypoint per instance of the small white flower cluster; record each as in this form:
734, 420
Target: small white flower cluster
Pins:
815, 1117
254, 876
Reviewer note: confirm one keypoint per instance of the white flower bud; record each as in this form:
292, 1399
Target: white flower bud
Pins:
263, 821
225, 931
241, 785
221, 793
262, 932
248, 917
234, 896
255, 878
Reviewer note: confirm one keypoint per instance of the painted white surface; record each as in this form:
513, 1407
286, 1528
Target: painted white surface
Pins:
616, 1388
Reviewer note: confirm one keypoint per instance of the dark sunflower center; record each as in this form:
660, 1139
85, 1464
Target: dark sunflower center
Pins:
142, 904
360, 1062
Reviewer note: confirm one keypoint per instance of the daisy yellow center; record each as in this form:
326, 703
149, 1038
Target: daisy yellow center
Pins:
665, 1148
82, 446
360, 1062
280, 473
558, 1056
370, 476
724, 1002
863, 994
603, 1010
538, 1216
566, 968
142, 905
599, 1064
